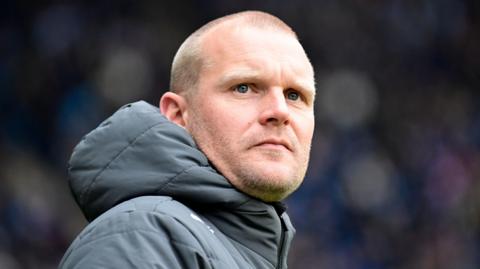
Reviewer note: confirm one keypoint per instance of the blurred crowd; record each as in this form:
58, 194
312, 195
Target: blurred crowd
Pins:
395, 167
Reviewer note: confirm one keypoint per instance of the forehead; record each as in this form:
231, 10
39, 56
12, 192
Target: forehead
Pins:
233, 39
255, 50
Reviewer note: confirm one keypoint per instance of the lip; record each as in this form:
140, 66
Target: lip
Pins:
275, 144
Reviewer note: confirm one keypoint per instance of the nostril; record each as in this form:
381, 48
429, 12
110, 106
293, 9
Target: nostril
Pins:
272, 119
277, 120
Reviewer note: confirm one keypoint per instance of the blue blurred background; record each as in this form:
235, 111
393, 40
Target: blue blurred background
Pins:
394, 174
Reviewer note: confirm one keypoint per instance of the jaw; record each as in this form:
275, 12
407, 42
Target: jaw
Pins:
270, 177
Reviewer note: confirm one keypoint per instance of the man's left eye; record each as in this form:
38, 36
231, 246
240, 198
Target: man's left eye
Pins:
293, 95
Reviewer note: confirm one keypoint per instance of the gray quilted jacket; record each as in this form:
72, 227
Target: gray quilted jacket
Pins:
154, 201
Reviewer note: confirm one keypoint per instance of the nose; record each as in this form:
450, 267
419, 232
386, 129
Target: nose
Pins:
274, 109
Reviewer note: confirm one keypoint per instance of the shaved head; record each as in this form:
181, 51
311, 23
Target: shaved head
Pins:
189, 59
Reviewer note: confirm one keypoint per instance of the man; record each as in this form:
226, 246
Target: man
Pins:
202, 189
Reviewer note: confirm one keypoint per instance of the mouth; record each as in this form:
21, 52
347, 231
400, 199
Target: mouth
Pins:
277, 144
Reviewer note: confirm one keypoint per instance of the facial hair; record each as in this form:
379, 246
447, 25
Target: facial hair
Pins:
250, 177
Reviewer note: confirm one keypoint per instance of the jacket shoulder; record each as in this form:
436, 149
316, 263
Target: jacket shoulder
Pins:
145, 231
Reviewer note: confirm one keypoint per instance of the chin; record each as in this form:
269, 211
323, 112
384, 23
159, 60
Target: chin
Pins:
271, 187
272, 194
266, 180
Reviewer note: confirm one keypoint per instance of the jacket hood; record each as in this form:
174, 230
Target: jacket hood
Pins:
137, 152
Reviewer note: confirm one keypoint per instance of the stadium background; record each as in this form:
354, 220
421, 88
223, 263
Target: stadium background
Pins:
394, 174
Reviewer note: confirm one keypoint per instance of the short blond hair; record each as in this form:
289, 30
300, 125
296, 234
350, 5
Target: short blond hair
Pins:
189, 60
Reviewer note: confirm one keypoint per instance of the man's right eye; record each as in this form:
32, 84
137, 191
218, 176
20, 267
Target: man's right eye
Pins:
242, 88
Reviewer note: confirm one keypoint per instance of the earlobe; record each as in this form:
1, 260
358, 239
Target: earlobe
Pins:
173, 107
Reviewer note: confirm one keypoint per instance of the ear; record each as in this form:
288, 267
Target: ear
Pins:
174, 107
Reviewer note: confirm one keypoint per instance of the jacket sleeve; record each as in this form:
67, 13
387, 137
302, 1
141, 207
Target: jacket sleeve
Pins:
136, 240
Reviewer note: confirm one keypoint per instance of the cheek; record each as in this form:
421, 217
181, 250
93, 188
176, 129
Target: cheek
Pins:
309, 133
222, 124
304, 129
224, 119
209, 125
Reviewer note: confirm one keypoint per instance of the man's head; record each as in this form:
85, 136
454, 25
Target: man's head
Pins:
243, 87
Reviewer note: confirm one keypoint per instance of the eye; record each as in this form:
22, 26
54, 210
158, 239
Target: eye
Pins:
292, 95
242, 88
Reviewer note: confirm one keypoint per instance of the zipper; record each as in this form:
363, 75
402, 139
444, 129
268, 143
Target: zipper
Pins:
281, 246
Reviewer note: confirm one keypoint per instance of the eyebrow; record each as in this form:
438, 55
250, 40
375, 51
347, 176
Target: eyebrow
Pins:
306, 86
247, 74
239, 74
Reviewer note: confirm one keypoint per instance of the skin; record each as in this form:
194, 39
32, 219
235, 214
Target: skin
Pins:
252, 111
